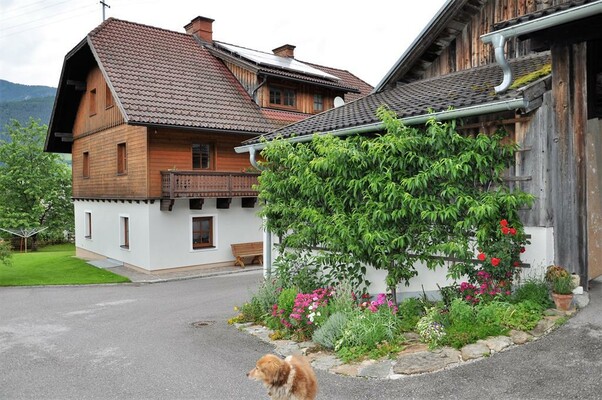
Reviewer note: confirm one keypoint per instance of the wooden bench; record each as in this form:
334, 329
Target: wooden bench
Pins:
252, 249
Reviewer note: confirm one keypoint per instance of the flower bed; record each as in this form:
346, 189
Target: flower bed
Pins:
357, 327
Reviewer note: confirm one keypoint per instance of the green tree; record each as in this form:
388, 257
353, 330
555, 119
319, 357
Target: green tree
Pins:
35, 187
390, 200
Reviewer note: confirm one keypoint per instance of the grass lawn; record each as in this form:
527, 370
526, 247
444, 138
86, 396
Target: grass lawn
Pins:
53, 265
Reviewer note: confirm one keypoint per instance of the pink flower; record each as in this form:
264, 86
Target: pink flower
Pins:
495, 261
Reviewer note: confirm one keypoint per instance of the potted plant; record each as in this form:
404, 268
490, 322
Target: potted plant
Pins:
562, 285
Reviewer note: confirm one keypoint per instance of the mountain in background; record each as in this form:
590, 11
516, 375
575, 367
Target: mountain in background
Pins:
21, 102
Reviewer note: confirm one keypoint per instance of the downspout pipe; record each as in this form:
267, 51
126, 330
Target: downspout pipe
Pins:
498, 42
499, 37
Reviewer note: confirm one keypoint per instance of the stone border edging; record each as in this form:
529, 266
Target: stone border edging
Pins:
416, 358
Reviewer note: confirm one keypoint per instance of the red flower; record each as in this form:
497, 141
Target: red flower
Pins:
495, 261
522, 249
504, 223
482, 257
512, 231
516, 263
505, 230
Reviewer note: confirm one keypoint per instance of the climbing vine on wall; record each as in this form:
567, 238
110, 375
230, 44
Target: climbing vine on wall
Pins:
391, 200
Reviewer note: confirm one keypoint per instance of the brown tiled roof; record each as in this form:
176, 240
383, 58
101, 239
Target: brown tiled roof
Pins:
349, 80
282, 118
166, 78
541, 13
460, 89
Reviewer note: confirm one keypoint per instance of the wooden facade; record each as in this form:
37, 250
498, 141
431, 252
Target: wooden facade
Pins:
468, 51
97, 110
560, 137
171, 150
259, 89
101, 150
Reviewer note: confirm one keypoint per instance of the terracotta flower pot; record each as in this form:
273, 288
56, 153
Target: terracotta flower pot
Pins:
562, 301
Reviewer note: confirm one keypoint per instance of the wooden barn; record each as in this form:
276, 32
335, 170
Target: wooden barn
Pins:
531, 66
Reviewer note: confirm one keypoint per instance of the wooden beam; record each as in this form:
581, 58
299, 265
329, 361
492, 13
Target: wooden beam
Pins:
80, 86
166, 204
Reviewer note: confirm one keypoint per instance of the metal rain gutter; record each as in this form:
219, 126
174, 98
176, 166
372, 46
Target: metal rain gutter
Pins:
497, 106
498, 38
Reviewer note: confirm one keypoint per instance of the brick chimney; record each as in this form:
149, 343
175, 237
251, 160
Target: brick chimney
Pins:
287, 50
202, 28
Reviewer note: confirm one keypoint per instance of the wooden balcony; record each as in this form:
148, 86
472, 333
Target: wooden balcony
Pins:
205, 184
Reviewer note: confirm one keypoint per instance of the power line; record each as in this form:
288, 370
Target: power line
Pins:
82, 10
5, 17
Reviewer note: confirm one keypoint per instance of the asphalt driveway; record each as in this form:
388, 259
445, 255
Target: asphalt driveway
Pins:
170, 340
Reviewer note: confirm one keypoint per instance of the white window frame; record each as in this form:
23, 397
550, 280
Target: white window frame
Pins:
122, 237
88, 224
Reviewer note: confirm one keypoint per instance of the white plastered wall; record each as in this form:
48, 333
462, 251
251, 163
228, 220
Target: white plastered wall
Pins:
539, 254
163, 239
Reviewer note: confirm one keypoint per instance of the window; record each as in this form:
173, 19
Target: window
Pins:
108, 97
88, 225
124, 236
86, 165
122, 159
201, 156
318, 102
282, 96
202, 232
92, 101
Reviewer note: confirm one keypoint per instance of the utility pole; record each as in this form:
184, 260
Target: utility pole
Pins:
104, 5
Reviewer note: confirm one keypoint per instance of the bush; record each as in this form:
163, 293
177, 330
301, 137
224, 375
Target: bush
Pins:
467, 324
296, 269
281, 311
5, 253
267, 294
367, 329
331, 331
533, 290
410, 312
523, 316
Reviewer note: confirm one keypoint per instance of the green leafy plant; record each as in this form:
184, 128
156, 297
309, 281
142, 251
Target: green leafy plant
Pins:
523, 316
559, 279
366, 329
410, 312
388, 201
500, 248
563, 285
331, 331
431, 328
533, 290
5, 253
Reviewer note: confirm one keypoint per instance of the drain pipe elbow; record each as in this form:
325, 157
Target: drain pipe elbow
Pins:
253, 158
498, 42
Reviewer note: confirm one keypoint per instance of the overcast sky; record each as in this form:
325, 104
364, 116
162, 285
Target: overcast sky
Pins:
363, 37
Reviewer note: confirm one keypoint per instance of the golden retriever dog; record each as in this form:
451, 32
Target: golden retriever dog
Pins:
290, 379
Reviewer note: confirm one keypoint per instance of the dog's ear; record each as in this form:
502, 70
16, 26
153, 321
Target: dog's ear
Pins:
280, 370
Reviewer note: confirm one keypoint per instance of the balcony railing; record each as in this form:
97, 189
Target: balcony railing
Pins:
203, 184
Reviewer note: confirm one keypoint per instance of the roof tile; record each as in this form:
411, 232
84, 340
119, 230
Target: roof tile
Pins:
166, 77
457, 90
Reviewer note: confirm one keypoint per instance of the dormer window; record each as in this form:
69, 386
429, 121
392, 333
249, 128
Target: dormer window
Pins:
280, 96
318, 103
